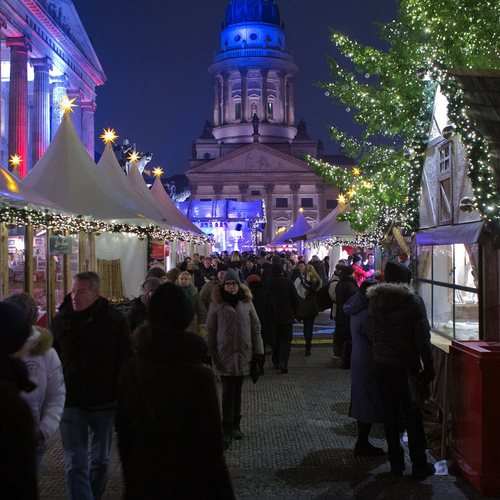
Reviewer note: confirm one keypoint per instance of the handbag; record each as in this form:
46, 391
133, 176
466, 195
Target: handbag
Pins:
301, 289
418, 391
345, 357
254, 370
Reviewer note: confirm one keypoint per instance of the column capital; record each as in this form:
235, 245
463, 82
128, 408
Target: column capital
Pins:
294, 188
218, 188
320, 188
19, 43
269, 188
88, 106
78, 93
264, 71
243, 188
60, 81
193, 188
243, 71
41, 63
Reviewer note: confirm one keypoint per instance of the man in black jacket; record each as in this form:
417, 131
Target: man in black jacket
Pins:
401, 344
287, 304
92, 339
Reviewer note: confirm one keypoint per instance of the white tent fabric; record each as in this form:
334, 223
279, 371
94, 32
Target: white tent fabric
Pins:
67, 176
179, 221
300, 227
108, 164
132, 253
15, 194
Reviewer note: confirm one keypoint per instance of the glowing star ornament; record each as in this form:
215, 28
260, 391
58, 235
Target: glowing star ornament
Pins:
356, 171
134, 156
341, 199
157, 172
66, 104
108, 136
15, 160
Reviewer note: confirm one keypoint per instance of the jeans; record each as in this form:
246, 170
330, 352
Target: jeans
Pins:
308, 330
282, 347
84, 482
392, 383
231, 397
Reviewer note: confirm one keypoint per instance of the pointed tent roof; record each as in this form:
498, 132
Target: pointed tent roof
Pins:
178, 219
300, 227
108, 164
329, 226
67, 176
15, 194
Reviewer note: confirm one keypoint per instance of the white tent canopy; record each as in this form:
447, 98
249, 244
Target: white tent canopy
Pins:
67, 176
108, 164
300, 227
178, 219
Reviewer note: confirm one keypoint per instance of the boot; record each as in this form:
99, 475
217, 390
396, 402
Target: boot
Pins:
227, 427
237, 434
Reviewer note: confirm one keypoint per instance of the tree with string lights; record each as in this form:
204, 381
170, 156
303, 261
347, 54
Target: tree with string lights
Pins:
391, 94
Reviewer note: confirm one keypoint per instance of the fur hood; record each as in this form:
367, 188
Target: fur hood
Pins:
40, 341
390, 288
217, 294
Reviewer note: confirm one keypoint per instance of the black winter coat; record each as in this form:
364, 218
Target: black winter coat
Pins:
345, 289
265, 305
168, 420
92, 345
286, 298
18, 444
401, 331
136, 315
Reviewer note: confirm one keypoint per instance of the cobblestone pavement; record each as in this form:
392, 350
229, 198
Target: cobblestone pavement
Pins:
297, 445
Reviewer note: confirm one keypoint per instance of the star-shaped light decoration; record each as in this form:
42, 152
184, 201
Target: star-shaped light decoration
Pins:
157, 172
356, 171
301, 209
15, 160
341, 199
66, 104
134, 156
351, 192
109, 135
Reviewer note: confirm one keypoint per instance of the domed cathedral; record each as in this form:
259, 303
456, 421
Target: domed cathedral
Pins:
252, 148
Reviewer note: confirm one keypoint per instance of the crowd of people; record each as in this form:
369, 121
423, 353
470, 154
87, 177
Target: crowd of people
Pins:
152, 374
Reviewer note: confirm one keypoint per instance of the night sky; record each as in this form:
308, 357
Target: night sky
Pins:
158, 91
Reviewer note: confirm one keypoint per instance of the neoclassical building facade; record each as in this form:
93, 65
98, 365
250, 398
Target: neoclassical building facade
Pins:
45, 54
252, 149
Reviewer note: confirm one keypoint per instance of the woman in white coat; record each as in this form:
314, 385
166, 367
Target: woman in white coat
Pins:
233, 339
44, 366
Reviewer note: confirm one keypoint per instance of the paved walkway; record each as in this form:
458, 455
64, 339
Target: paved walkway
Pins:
297, 444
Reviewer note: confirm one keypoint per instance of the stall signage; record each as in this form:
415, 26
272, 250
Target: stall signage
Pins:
59, 245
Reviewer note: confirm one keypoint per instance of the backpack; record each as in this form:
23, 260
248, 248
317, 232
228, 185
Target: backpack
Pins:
323, 298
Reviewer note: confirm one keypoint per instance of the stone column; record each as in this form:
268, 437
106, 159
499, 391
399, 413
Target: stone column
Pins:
294, 188
193, 189
282, 97
218, 188
225, 98
264, 72
40, 135
18, 99
291, 101
244, 95
88, 113
59, 86
76, 116
216, 102
269, 189
320, 190
243, 191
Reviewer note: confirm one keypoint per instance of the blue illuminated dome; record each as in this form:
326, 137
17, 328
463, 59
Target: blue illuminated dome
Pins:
241, 11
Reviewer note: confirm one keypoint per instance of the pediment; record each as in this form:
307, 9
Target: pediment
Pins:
253, 159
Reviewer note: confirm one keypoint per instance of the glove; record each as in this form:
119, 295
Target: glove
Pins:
201, 330
427, 376
259, 359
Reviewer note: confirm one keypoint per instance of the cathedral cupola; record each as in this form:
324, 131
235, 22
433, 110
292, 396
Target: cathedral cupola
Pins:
241, 11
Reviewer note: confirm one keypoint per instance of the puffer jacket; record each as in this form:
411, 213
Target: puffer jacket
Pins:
45, 370
401, 331
233, 334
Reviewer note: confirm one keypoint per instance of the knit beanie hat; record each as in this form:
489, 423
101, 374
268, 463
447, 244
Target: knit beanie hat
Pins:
253, 277
355, 258
156, 272
276, 269
170, 308
395, 272
151, 284
231, 275
15, 328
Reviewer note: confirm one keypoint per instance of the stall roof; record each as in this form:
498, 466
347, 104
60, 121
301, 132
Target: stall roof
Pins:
178, 220
300, 228
108, 164
67, 176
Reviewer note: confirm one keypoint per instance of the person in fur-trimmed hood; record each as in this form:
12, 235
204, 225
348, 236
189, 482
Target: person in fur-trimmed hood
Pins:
233, 339
401, 343
45, 371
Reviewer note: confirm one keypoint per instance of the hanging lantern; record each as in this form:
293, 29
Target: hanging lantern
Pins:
421, 72
466, 205
408, 154
448, 132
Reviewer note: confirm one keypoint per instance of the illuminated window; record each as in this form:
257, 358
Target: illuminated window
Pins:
306, 203
281, 202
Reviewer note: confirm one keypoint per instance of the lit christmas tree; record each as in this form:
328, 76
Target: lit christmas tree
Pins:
391, 94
